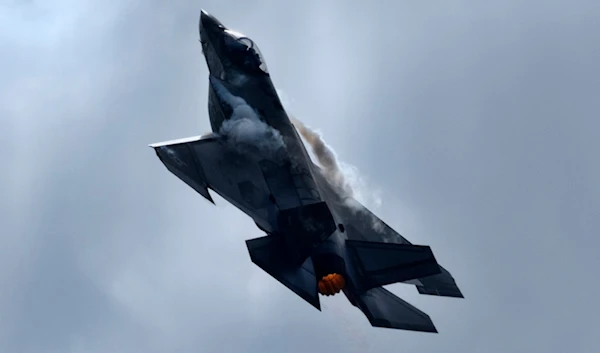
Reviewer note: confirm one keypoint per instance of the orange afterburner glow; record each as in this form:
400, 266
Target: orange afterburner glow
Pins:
331, 284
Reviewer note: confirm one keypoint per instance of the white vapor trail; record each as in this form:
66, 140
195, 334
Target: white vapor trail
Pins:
326, 157
343, 176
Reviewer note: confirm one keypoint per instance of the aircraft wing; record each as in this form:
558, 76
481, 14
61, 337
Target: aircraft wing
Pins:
364, 225
270, 194
206, 162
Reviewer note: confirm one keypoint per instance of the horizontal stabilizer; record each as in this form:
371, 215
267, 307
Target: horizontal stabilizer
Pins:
442, 285
386, 263
178, 157
268, 253
384, 309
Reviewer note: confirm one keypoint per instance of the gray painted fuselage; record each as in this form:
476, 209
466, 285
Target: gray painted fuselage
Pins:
258, 91
256, 160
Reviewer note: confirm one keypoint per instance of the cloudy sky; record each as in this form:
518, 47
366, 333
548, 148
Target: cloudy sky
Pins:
476, 122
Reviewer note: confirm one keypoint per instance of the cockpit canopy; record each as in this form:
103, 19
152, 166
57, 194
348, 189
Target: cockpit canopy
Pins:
244, 52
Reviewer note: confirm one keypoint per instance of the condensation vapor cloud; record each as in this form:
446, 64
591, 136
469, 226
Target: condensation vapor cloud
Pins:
344, 176
326, 157
245, 130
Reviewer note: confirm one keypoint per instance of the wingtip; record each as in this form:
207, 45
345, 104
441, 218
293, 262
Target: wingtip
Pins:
428, 327
447, 293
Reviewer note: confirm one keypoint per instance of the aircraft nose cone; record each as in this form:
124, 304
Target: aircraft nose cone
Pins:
208, 23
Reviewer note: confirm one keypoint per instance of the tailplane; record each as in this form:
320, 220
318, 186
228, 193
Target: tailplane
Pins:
269, 254
384, 309
380, 264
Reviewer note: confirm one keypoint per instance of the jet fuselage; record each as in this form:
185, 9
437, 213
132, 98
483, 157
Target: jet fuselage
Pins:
254, 85
319, 239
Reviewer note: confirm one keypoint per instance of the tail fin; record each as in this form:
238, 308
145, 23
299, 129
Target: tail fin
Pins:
384, 309
380, 264
269, 254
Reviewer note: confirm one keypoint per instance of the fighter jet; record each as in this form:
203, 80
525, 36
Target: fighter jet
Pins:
318, 241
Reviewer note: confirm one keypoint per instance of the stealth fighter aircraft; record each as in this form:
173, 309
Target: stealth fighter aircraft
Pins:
318, 241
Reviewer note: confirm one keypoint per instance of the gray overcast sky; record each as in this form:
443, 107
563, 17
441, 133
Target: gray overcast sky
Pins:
476, 121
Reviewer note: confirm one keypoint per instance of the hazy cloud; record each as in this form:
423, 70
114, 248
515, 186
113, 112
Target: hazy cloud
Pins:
478, 121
